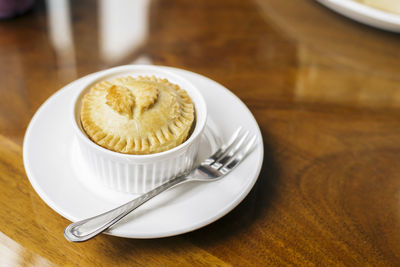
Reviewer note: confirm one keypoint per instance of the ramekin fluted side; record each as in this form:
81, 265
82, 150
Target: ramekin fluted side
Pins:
127, 176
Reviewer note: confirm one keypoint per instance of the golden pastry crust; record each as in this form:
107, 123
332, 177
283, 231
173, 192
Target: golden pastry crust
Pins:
142, 115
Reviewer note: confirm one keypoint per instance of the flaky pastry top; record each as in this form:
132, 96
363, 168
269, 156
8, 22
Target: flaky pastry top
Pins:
142, 115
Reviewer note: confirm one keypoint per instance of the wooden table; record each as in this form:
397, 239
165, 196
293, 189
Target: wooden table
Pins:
325, 91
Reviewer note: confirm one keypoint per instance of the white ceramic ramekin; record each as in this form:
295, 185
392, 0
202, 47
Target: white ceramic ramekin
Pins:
138, 173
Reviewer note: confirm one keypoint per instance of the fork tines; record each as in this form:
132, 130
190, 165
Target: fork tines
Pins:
229, 155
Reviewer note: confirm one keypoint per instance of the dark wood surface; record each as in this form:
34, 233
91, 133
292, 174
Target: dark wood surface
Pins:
325, 91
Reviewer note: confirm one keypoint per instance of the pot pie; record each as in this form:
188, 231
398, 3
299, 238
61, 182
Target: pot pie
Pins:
142, 115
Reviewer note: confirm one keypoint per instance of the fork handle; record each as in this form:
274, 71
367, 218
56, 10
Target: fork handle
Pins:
91, 227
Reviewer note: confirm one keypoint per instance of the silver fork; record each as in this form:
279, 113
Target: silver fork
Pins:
213, 168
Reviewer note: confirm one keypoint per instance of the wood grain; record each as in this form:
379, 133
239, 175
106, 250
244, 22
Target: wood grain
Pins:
324, 90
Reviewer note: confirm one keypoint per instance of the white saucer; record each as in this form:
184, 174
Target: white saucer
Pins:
365, 14
53, 167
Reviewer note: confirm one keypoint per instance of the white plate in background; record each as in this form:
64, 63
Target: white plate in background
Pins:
365, 14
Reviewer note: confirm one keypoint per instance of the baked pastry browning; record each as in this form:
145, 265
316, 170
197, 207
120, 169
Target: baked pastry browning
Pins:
142, 115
